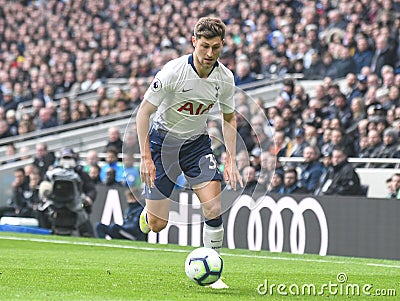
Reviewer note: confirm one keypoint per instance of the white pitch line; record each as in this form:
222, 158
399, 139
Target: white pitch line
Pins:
95, 244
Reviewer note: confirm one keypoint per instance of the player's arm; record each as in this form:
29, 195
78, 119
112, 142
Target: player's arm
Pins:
231, 172
147, 167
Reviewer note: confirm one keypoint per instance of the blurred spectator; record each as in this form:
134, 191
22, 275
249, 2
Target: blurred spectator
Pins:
10, 153
289, 119
394, 186
76, 115
110, 180
92, 159
105, 108
134, 97
4, 129
20, 93
311, 135
94, 174
341, 178
48, 94
102, 94
337, 139
243, 75
350, 86
131, 177
279, 142
121, 105
345, 63
119, 93
269, 67
357, 109
243, 128
287, 90
382, 98
45, 119
374, 143
361, 88
84, 111
361, 150
243, 160
64, 117
114, 139
363, 54
260, 139
383, 55
267, 167
130, 227
12, 122
94, 109
290, 183
131, 144
255, 158
341, 110
311, 169
91, 83
112, 162
18, 204
317, 69
329, 66
276, 182
249, 180
43, 158
295, 147
388, 149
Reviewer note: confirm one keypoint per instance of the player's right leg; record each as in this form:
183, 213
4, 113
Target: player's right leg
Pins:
164, 152
154, 216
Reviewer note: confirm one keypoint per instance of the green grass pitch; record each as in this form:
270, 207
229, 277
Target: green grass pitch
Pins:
35, 267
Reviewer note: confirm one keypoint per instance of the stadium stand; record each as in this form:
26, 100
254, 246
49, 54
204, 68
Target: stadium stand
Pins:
90, 50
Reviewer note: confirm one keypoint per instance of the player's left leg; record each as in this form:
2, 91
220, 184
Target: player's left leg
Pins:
213, 230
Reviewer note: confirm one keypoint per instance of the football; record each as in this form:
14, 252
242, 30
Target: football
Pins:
204, 266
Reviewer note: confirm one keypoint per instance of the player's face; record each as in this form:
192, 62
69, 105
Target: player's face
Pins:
207, 51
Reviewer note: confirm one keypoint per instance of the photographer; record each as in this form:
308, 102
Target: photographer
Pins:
130, 227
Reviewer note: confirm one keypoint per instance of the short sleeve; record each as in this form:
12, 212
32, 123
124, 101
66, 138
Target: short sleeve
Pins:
160, 86
226, 101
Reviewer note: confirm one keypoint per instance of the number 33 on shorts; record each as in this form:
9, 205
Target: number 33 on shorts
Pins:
213, 161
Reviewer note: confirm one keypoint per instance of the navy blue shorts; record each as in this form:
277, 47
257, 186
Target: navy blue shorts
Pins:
173, 156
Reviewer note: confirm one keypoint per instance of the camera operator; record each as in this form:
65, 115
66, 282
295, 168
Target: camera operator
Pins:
69, 159
82, 206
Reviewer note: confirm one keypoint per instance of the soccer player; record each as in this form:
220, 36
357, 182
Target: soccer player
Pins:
181, 95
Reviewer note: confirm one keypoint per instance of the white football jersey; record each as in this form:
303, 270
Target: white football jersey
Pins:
184, 99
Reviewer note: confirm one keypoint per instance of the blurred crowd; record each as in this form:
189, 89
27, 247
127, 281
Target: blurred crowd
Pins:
52, 50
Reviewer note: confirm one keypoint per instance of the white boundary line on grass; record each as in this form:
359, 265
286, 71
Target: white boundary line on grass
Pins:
95, 244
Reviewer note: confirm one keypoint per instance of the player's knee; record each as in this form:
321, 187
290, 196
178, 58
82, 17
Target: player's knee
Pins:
212, 212
156, 225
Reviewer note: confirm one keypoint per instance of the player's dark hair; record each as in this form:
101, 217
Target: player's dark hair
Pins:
209, 27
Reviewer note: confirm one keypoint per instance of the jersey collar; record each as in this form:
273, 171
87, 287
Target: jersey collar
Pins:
190, 61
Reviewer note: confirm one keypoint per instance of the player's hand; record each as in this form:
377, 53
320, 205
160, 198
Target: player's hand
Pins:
147, 172
232, 175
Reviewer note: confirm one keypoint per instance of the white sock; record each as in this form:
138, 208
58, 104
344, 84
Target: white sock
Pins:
213, 237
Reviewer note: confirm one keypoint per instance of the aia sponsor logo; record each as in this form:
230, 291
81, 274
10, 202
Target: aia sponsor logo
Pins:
195, 108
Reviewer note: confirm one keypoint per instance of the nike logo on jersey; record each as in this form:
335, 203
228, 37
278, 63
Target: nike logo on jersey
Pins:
186, 90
